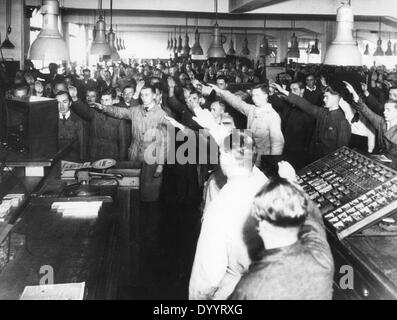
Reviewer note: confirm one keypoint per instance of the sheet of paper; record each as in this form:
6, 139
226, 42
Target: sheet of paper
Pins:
65, 291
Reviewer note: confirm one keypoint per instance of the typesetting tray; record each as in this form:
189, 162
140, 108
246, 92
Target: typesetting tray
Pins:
352, 191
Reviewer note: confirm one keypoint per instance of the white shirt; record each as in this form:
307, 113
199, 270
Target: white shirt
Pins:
222, 253
67, 115
361, 127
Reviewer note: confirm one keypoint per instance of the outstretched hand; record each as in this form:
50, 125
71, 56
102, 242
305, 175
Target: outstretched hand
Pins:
352, 91
204, 118
286, 171
279, 88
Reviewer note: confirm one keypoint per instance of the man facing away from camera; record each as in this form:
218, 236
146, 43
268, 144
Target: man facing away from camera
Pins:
222, 254
297, 263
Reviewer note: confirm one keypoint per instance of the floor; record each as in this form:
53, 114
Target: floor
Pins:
167, 259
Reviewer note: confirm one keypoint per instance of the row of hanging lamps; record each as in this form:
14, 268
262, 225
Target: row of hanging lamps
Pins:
179, 42
112, 37
231, 50
366, 52
216, 49
344, 50
7, 44
49, 44
99, 45
186, 48
197, 50
293, 52
379, 51
175, 44
245, 51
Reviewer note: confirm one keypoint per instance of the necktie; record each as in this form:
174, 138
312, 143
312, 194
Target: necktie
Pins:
63, 118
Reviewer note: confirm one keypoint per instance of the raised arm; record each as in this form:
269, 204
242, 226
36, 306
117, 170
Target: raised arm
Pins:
236, 102
358, 104
117, 112
301, 103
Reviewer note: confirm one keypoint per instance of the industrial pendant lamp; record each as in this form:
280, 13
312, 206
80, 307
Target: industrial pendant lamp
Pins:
315, 47
389, 52
7, 44
49, 45
245, 51
344, 50
395, 49
123, 43
379, 50
175, 44
293, 52
231, 51
112, 37
186, 47
171, 47
216, 49
264, 47
366, 52
180, 42
168, 42
197, 50
100, 46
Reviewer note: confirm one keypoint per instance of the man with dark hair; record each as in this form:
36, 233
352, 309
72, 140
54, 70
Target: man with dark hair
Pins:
149, 139
223, 250
332, 130
85, 84
239, 119
70, 128
312, 92
385, 126
107, 135
297, 263
297, 127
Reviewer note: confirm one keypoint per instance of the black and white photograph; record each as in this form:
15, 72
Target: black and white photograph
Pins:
195, 154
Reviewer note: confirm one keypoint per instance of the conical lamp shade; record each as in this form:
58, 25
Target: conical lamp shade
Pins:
7, 44
100, 46
180, 44
389, 52
231, 50
216, 49
175, 45
366, 52
245, 51
315, 48
171, 47
264, 48
294, 50
379, 51
114, 55
186, 48
49, 45
197, 50
344, 50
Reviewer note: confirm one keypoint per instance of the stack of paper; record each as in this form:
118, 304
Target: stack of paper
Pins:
66, 291
78, 209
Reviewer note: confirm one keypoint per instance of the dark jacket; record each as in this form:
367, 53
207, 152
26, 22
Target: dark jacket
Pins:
314, 97
108, 136
301, 271
297, 127
73, 129
332, 130
387, 138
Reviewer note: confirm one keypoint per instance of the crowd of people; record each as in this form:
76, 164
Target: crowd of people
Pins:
261, 236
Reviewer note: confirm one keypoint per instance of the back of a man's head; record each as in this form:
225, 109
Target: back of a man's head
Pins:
281, 204
238, 151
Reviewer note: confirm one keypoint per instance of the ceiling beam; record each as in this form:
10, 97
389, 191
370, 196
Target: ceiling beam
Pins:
238, 6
